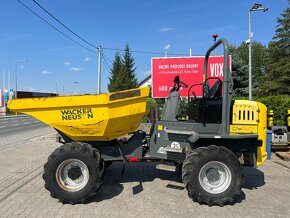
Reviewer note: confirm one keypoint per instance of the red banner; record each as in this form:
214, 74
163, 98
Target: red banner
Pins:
1, 98
189, 69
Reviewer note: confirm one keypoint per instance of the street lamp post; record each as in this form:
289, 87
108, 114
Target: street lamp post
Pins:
256, 7
15, 74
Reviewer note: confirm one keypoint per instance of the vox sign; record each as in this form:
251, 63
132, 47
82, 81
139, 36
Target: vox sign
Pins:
189, 69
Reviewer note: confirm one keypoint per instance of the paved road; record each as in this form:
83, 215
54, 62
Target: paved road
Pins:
19, 128
18, 123
144, 191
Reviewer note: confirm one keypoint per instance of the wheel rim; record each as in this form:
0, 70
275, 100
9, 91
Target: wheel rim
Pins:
72, 175
215, 177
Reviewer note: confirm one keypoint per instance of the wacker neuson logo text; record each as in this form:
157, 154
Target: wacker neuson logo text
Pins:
77, 114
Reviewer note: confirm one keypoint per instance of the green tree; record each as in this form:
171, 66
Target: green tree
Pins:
280, 105
117, 74
129, 70
258, 64
277, 77
123, 72
240, 67
259, 53
239, 73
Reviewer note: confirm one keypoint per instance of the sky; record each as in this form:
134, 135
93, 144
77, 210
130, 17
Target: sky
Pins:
57, 64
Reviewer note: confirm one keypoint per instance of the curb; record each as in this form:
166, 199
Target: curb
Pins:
12, 116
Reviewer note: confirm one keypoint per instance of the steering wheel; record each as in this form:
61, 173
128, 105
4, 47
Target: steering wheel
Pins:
178, 84
182, 84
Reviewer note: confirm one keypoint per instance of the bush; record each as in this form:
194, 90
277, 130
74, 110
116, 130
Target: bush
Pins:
182, 112
279, 104
151, 111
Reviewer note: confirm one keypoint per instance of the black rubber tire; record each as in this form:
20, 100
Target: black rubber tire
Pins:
193, 165
80, 151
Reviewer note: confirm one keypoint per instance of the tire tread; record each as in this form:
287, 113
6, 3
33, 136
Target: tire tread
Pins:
190, 165
74, 147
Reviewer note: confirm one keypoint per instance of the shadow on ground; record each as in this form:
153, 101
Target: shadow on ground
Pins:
146, 172
254, 178
134, 172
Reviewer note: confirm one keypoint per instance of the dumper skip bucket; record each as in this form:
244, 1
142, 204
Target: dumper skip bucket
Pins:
88, 117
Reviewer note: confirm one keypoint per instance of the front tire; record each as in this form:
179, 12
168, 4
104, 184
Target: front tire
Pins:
73, 172
212, 175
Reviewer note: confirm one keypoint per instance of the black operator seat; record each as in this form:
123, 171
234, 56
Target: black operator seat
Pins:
211, 107
215, 91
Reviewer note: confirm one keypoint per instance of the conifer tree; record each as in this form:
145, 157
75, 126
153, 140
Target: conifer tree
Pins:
117, 74
123, 75
277, 78
129, 69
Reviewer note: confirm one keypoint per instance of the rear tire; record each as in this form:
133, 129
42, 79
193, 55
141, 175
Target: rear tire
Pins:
212, 175
73, 172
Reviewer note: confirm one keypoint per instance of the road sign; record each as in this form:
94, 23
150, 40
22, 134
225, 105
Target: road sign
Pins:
5, 97
189, 69
11, 93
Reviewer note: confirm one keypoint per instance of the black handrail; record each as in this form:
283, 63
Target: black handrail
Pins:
227, 82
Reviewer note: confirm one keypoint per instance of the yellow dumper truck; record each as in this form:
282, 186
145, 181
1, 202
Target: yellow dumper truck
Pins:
210, 147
